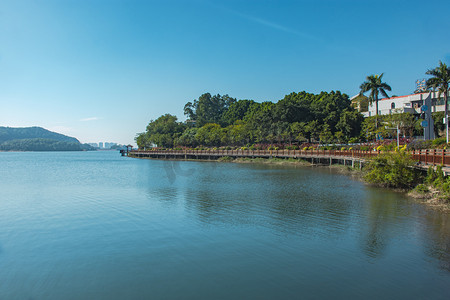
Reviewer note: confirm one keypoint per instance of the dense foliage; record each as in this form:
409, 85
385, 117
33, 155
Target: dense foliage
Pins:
37, 139
9, 133
222, 120
40, 145
393, 169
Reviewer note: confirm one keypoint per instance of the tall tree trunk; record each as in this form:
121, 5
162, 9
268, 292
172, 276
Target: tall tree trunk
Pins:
446, 115
376, 114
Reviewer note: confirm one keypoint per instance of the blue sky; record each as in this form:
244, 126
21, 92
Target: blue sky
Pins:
101, 70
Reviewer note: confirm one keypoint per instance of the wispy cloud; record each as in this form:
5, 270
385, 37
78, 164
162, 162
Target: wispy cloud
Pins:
90, 119
269, 24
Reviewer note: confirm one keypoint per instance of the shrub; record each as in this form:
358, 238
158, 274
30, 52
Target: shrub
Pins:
421, 188
394, 170
419, 144
225, 158
439, 141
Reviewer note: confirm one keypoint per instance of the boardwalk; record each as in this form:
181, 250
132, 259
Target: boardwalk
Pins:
424, 158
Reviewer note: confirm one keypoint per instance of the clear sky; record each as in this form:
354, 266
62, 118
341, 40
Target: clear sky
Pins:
101, 70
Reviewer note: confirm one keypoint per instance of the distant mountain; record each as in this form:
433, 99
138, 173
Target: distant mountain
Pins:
10, 133
37, 139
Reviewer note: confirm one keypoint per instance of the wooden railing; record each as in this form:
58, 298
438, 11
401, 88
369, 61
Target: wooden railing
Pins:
263, 153
432, 156
426, 156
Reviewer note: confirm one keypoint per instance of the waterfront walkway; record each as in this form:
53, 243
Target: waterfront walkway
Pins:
314, 156
425, 158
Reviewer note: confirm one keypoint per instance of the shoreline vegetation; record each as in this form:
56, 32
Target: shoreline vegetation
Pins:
327, 120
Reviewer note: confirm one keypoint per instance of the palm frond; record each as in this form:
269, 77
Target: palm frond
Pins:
383, 92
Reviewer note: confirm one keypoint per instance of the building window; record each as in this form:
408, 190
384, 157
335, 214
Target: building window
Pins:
392, 105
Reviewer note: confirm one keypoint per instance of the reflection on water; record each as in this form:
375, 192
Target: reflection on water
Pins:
299, 200
384, 215
438, 238
97, 225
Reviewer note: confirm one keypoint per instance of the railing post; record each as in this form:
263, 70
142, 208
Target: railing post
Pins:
443, 157
426, 156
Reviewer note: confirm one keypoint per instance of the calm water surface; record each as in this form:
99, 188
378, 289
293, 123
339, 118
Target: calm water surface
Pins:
95, 225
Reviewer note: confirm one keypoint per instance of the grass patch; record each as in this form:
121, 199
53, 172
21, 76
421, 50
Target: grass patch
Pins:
225, 159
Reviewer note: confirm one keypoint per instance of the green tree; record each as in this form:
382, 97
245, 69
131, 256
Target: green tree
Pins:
210, 134
187, 138
208, 109
349, 123
439, 125
237, 111
260, 118
440, 81
374, 84
161, 132
298, 131
325, 134
238, 134
406, 122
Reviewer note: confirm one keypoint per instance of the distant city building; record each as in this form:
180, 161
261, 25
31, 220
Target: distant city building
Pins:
95, 145
100, 145
109, 145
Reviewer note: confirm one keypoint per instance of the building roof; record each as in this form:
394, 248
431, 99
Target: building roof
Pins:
397, 97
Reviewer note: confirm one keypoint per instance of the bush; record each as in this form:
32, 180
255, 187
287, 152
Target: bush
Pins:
439, 141
421, 188
225, 158
419, 144
365, 148
437, 179
394, 170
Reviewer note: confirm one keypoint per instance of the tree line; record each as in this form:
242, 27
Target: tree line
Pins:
327, 117
41, 144
220, 120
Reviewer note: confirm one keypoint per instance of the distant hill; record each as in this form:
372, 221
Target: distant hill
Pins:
37, 139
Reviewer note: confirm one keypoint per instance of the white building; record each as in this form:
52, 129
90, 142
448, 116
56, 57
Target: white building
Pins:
406, 104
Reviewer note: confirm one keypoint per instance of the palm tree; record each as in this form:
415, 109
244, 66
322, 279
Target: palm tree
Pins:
374, 84
440, 81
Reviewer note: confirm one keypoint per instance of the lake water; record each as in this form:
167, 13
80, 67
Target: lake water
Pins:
94, 225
